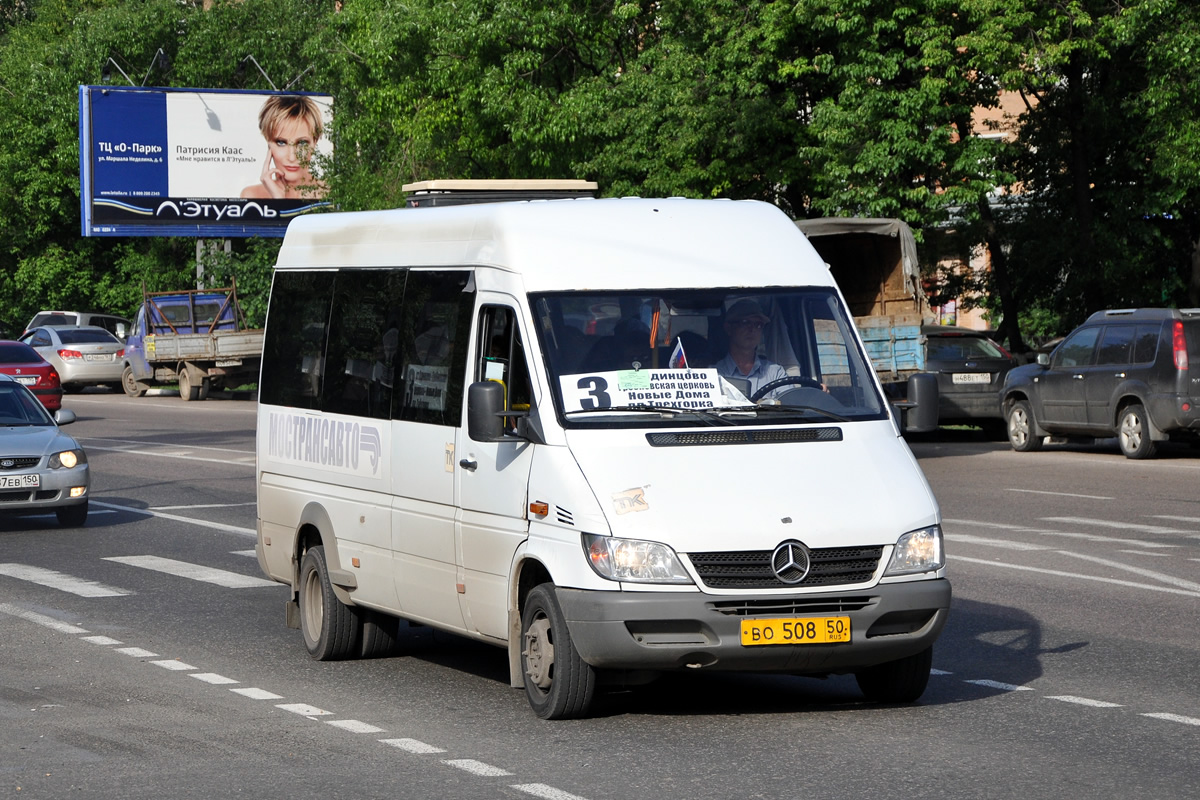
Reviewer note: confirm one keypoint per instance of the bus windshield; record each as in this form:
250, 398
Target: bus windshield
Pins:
708, 356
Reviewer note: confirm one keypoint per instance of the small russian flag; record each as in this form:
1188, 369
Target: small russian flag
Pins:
678, 357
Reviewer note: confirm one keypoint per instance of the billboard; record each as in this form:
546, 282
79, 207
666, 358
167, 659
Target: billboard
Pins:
188, 162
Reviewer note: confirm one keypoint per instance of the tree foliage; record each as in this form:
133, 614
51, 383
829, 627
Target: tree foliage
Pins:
823, 107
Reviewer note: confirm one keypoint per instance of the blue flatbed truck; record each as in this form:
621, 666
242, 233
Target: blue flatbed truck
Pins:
197, 339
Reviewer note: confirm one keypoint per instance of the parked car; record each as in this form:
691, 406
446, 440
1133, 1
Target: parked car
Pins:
970, 368
1130, 373
117, 326
29, 369
41, 468
86, 356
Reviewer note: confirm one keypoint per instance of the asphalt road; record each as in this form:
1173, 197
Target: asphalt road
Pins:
143, 656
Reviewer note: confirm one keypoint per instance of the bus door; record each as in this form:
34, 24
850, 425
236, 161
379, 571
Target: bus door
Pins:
493, 477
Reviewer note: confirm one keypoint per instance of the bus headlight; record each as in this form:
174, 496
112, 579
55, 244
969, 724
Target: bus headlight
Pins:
633, 560
917, 551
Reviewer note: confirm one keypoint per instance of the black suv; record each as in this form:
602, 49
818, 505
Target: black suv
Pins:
1130, 373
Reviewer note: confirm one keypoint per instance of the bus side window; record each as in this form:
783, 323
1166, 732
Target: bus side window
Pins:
434, 330
363, 339
502, 358
294, 349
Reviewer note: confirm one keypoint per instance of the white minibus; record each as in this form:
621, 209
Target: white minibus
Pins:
618, 437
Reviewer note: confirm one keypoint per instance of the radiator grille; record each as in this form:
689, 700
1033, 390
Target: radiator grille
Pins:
751, 569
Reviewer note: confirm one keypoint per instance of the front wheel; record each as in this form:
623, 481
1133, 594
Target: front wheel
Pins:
72, 516
558, 683
1021, 428
332, 630
132, 386
899, 681
1133, 432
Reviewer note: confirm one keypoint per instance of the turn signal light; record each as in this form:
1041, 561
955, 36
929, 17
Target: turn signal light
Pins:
539, 509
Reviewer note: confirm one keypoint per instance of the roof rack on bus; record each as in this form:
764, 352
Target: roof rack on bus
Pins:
427, 194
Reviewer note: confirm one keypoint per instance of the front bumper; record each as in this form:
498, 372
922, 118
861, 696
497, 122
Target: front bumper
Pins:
669, 631
54, 492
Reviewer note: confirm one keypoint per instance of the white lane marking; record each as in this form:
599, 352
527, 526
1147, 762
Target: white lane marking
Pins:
140, 449
60, 581
1087, 537
304, 710
213, 678
41, 619
1007, 687
257, 694
1061, 494
1002, 543
205, 505
476, 767
1176, 519
1144, 553
1145, 573
545, 792
195, 572
1062, 574
247, 553
1115, 523
1174, 718
175, 517
939, 672
136, 652
1083, 701
412, 746
353, 725
173, 664
101, 640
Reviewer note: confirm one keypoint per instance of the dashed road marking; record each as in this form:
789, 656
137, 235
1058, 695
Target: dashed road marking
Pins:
41, 619
412, 746
136, 652
213, 678
257, 694
1174, 718
61, 581
1063, 574
1005, 687
173, 664
195, 572
1083, 701
204, 523
1115, 523
304, 710
354, 726
545, 792
476, 767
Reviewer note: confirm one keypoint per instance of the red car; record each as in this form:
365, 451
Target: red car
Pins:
29, 368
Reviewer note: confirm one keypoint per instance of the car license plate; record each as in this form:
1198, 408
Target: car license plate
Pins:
97, 357
795, 630
972, 377
20, 481
29, 380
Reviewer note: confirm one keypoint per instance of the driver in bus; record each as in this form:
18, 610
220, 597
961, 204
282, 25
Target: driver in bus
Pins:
744, 323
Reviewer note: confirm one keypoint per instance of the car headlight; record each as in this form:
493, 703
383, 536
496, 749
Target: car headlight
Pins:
633, 560
918, 551
68, 459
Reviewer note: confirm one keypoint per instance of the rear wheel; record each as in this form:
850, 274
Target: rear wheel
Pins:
899, 681
189, 386
1133, 432
72, 516
332, 630
558, 683
1021, 427
132, 386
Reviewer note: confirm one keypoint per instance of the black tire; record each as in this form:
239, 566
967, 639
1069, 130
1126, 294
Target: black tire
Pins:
1133, 432
72, 388
380, 636
899, 681
1020, 426
332, 630
189, 389
72, 516
205, 388
132, 386
558, 683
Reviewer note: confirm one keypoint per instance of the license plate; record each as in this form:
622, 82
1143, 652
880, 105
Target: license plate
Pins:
27, 381
972, 377
795, 630
97, 357
20, 481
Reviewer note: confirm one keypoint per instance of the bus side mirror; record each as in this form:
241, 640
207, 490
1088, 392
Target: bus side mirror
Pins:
485, 409
921, 414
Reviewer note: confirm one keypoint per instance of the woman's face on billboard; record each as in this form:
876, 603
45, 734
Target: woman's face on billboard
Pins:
291, 149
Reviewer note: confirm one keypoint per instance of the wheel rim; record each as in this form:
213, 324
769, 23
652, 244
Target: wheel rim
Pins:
539, 653
313, 605
1018, 426
1131, 432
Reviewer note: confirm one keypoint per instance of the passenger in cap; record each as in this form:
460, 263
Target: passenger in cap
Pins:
744, 323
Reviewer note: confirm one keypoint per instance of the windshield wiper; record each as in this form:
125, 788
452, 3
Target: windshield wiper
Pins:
786, 409
705, 414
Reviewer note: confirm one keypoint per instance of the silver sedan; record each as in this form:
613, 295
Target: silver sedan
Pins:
83, 355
